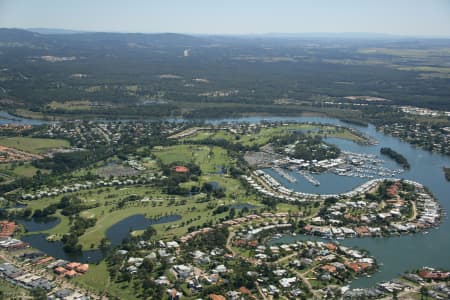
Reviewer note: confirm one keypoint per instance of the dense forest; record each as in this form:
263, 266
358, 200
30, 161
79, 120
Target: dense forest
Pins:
179, 75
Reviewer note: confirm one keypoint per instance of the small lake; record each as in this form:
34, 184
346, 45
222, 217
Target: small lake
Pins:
38, 224
116, 234
243, 205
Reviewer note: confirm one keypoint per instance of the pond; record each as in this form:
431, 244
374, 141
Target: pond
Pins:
116, 234
38, 224
243, 205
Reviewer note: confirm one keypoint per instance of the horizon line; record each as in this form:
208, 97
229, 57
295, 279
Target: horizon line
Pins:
310, 33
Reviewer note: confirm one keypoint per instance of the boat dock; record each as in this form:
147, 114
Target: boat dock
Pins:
284, 174
309, 178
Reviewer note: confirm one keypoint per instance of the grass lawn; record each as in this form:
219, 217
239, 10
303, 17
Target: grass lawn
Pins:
208, 158
97, 277
265, 134
33, 145
18, 169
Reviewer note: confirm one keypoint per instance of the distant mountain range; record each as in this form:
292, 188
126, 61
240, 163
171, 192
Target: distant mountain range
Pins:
55, 31
57, 37
330, 35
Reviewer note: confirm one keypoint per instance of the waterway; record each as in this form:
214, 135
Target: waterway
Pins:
6, 118
115, 234
397, 254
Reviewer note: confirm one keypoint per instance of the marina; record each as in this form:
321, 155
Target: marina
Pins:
393, 253
285, 174
309, 178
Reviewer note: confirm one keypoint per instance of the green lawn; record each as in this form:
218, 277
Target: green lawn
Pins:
33, 145
265, 134
208, 158
97, 278
18, 169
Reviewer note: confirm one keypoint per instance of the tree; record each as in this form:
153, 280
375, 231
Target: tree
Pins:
39, 294
423, 292
394, 295
104, 243
149, 233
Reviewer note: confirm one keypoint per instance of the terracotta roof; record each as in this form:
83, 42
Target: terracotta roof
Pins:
72, 265
7, 228
83, 268
331, 246
216, 297
70, 273
181, 169
60, 270
329, 268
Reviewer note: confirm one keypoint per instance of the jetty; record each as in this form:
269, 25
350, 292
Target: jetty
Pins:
309, 178
284, 174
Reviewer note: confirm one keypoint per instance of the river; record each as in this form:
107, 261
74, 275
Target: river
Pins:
396, 254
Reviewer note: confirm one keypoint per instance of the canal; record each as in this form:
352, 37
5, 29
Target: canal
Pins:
396, 254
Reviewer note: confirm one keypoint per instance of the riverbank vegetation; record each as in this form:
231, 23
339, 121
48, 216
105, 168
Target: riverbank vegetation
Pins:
400, 159
446, 173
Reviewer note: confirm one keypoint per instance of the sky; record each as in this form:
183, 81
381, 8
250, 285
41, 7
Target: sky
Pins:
398, 17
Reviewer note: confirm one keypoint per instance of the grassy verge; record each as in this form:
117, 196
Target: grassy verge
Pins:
33, 145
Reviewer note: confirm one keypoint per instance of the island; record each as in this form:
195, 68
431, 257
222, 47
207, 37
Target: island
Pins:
446, 173
400, 159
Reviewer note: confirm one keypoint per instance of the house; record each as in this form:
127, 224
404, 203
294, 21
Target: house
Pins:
162, 280
330, 246
60, 270
174, 294
233, 295
181, 169
70, 274
220, 269
287, 282
83, 268
216, 297
72, 265
329, 268
183, 271
273, 290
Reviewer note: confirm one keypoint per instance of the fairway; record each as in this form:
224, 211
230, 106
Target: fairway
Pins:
265, 134
22, 170
33, 145
209, 158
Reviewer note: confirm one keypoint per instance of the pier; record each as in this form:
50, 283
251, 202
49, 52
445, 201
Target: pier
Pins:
309, 178
285, 174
